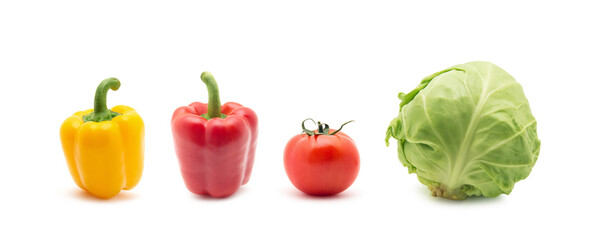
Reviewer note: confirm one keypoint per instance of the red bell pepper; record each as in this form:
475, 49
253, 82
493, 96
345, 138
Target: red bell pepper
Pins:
215, 144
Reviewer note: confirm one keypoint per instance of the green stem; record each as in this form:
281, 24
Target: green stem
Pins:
322, 128
100, 109
214, 108
341, 126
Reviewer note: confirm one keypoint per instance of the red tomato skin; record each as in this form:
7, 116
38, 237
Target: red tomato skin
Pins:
321, 165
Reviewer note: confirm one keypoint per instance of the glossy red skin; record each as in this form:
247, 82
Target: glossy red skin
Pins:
216, 156
321, 165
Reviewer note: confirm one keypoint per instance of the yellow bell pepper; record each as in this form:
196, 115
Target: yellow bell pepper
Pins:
104, 148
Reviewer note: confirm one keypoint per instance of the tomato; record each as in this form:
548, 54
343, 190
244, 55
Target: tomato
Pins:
320, 163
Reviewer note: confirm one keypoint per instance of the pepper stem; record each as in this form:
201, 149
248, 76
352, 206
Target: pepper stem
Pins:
100, 109
214, 108
322, 128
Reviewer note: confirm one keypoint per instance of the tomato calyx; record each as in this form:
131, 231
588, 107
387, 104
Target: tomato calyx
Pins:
322, 128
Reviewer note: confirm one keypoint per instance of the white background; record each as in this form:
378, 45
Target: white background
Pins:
333, 61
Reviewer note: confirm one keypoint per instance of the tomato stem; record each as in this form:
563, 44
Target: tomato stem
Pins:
322, 128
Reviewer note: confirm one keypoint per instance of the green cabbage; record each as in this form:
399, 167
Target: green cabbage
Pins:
467, 131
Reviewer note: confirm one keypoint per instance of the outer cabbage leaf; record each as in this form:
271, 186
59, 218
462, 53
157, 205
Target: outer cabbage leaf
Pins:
467, 131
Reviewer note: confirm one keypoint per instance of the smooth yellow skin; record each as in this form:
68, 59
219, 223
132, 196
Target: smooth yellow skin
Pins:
104, 157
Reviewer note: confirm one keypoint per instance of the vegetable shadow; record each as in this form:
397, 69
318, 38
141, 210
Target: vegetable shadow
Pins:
239, 192
84, 195
301, 195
